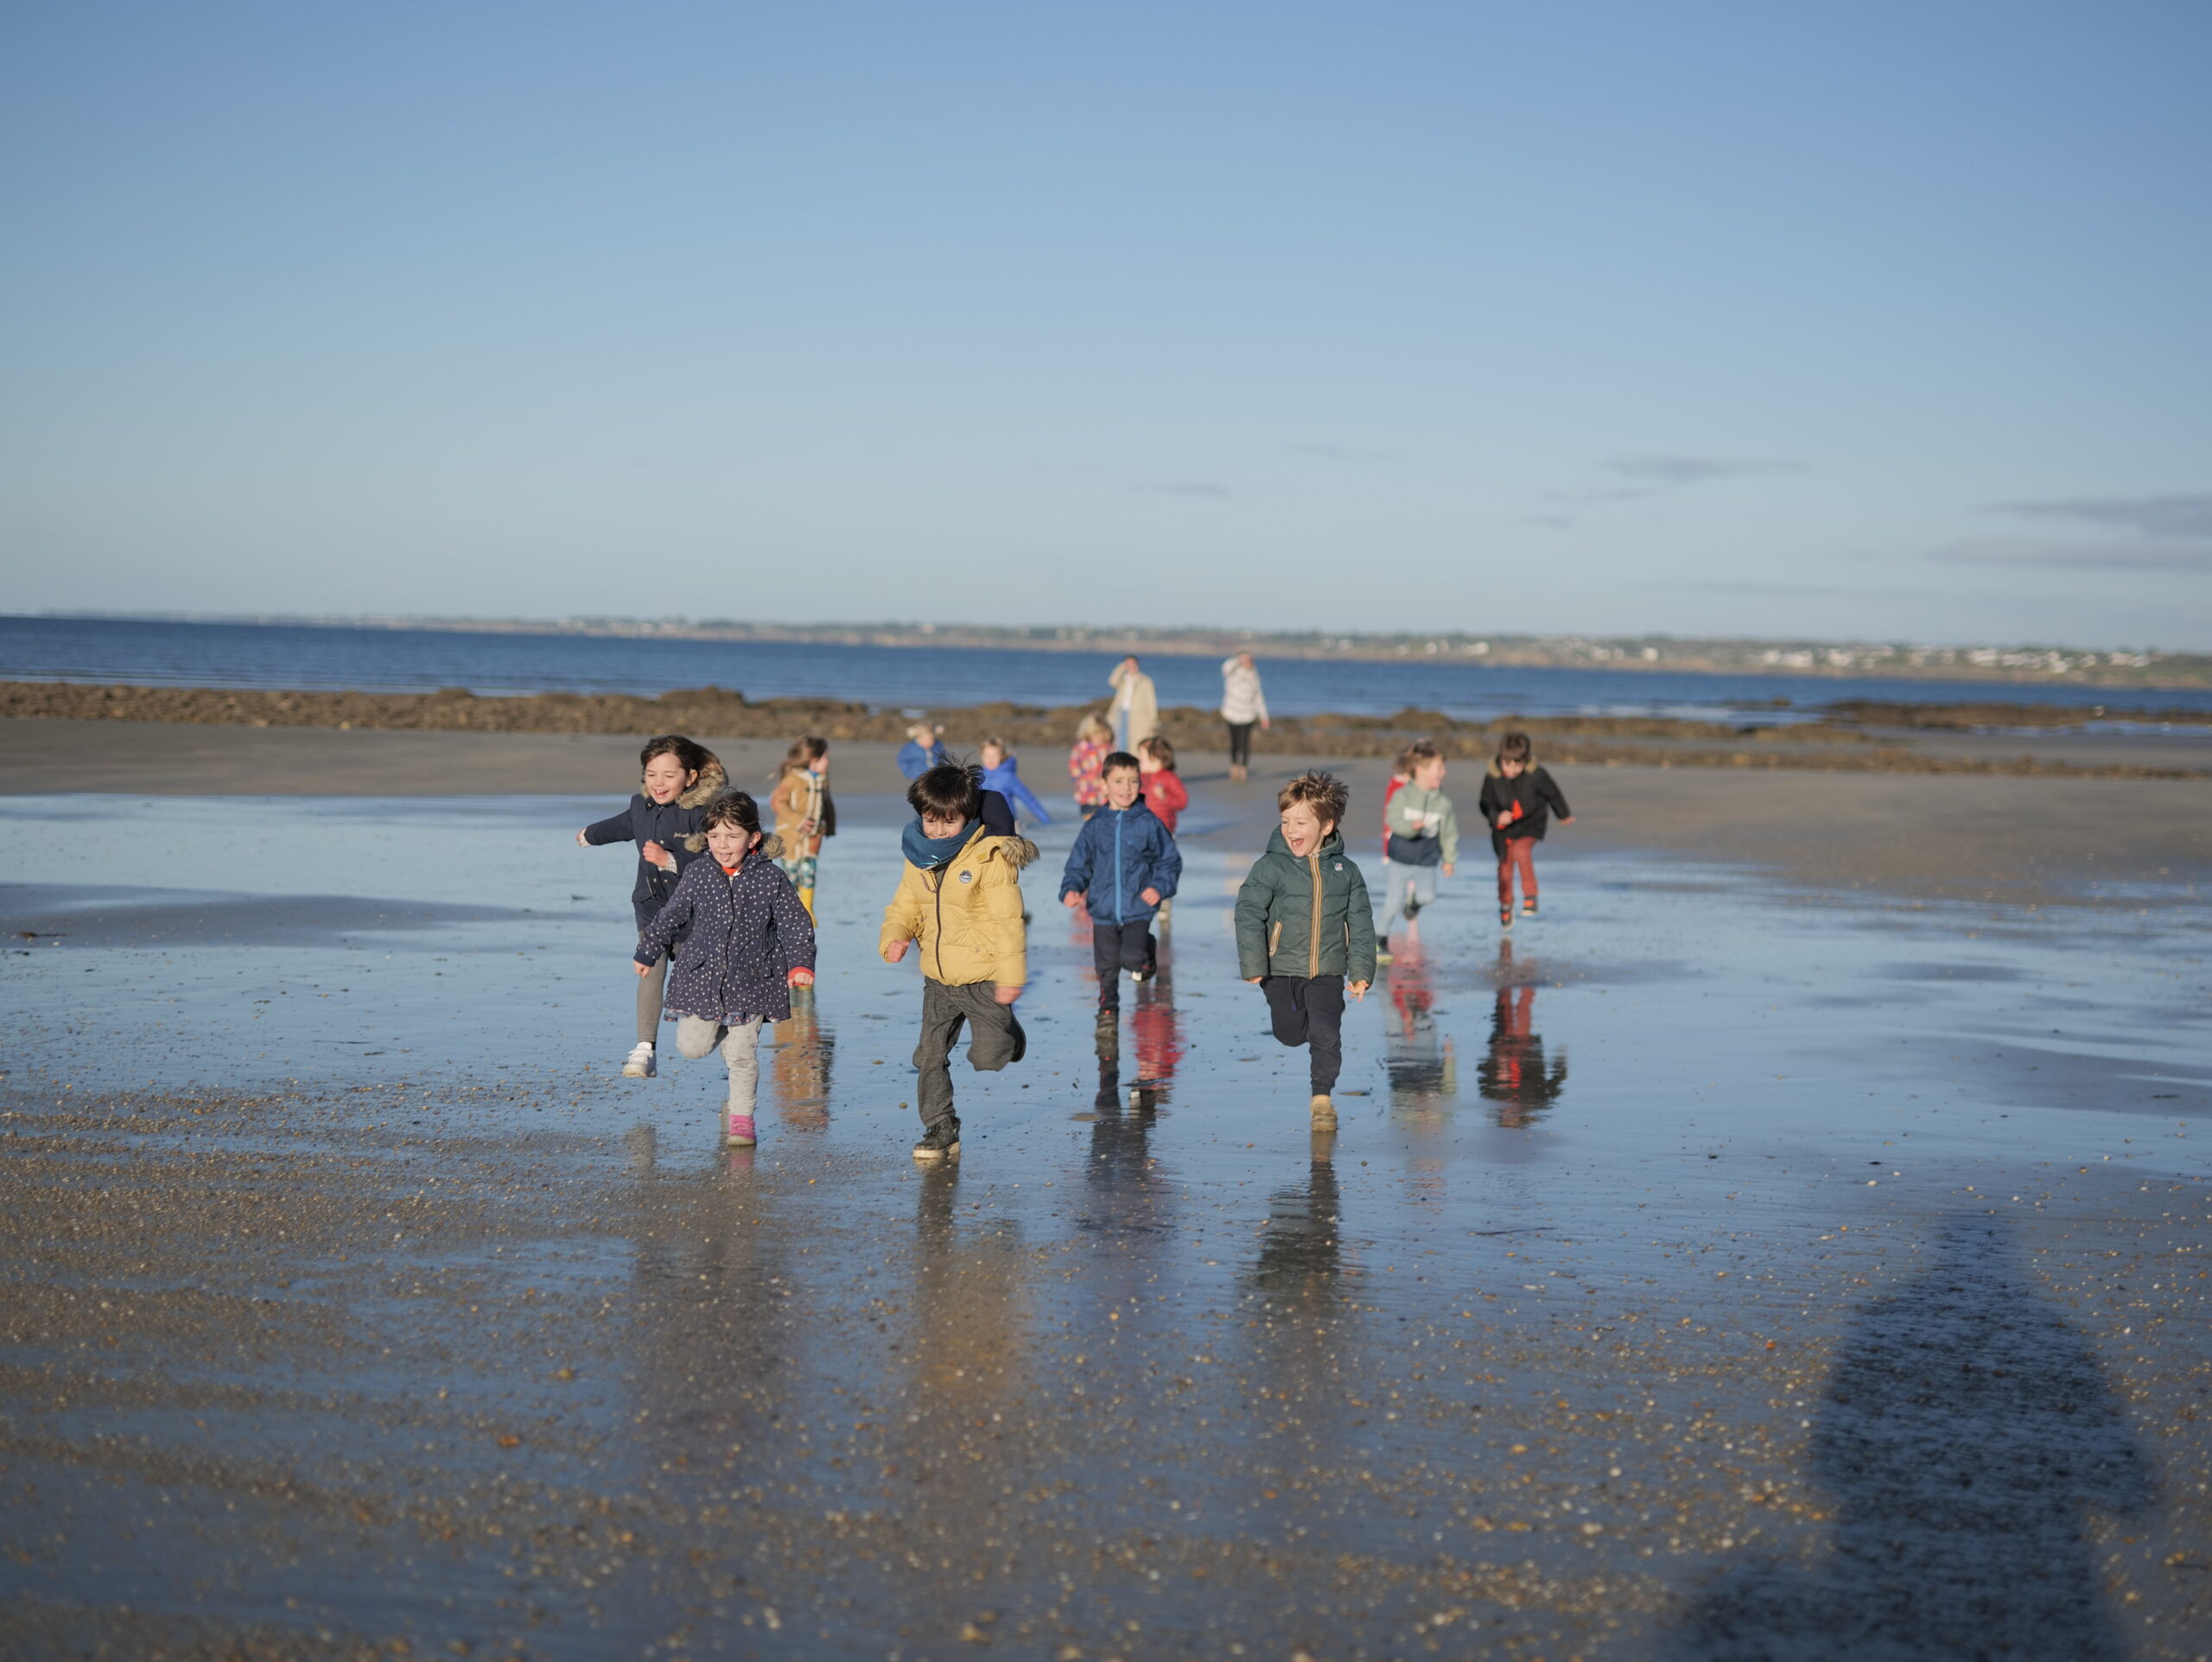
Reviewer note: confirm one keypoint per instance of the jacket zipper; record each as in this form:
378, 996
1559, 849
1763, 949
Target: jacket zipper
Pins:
940, 923
1121, 912
1313, 932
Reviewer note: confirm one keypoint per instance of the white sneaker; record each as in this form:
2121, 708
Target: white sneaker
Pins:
640, 1063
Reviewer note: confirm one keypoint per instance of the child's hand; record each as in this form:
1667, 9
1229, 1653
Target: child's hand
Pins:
1447, 870
1252, 980
1072, 900
799, 977
1503, 820
1357, 989
1150, 897
895, 951
656, 856
1006, 994
582, 841
1568, 820
642, 969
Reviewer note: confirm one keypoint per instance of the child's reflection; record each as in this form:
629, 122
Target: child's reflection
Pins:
1422, 1065
800, 1069
1515, 1075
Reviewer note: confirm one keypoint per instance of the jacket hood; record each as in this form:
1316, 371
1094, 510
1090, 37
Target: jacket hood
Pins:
1526, 767
711, 781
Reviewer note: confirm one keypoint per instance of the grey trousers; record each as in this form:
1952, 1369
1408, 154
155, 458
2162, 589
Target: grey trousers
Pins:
1396, 880
996, 1039
740, 1050
650, 987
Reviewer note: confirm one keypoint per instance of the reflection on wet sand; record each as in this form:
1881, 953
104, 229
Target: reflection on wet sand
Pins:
1515, 1074
1966, 1430
798, 1068
1421, 1063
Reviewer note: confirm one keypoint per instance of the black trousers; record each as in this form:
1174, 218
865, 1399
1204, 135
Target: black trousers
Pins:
1115, 948
1240, 744
1311, 1012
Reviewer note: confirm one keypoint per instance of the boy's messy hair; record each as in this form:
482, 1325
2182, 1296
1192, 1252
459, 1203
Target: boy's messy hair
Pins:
1160, 751
1514, 746
993, 741
1118, 759
1324, 792
946, 790
1093, 726
1420, 751
692, 757
735, 808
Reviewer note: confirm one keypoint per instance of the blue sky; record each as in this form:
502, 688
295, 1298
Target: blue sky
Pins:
1886, 320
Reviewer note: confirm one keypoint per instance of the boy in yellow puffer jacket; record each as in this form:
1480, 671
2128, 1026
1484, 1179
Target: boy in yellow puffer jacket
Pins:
960, 897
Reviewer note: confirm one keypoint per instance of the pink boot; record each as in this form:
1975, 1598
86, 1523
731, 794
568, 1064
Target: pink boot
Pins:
740, 1135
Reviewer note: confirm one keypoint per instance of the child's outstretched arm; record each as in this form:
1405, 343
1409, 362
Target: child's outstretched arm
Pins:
1075, 880
1548, 788
794, 928
615, 828
1026, 800
1009, 935
1359, 945
1253, 900
902, 919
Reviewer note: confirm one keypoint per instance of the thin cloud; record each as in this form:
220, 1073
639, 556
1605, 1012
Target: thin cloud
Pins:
2182, 515
1673, 471
1210, 488
1789, 591
2103, 557
1656, 475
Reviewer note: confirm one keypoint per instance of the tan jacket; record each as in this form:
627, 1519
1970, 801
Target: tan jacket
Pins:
1144, 705
966, 915
798, 799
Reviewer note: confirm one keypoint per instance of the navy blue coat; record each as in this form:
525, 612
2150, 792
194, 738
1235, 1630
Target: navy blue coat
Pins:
674, 826
1115, 859
741, 936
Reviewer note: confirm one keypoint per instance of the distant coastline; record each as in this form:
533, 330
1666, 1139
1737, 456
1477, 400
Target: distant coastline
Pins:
2062, 666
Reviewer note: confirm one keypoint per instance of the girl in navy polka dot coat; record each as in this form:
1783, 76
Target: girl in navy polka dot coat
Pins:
746, 942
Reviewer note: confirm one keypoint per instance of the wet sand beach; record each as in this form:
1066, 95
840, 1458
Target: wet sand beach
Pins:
1789, 1244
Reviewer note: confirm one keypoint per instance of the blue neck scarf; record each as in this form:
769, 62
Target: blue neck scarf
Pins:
930, 852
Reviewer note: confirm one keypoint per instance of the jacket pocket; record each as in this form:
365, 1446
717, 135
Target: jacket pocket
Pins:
1274, 938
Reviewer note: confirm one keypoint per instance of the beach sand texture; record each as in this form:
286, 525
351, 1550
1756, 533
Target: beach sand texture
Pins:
1728, 1263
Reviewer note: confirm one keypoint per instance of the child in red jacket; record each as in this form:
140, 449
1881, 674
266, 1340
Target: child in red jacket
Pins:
1164, 793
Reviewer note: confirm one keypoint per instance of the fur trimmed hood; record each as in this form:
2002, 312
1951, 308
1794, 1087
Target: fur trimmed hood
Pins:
1019, 851
712, 780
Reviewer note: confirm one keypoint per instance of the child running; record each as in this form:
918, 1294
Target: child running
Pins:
746, 943
664, 820
922, 750
1421, 838
1305, 934
1517, 800
1002, 773
804, 814
1123, 865
1165, 795
1093, 740
960, 896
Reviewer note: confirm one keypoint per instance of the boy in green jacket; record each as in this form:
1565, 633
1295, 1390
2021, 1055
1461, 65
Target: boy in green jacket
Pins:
1304, 932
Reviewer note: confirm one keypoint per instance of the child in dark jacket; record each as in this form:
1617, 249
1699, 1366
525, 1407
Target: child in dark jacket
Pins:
664, 820
1122, 866
1517, 803
1305, 936
1002, 773
746, 943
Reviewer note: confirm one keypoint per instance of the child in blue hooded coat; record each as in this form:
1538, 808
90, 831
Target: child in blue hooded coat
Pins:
1123, 865
1001, 775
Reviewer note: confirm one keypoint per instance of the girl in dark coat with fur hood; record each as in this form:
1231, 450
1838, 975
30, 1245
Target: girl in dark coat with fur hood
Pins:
663, 819
742, 942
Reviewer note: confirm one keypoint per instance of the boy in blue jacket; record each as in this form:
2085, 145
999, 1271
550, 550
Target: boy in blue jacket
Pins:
1123, 865
1002, 773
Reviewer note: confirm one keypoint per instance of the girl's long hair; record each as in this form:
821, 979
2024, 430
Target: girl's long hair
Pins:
803, 754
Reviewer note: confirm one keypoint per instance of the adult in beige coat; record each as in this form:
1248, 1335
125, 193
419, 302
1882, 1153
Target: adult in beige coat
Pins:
1135, 709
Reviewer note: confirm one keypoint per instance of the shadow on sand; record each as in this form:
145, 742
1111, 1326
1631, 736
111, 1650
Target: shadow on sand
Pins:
1966, 1431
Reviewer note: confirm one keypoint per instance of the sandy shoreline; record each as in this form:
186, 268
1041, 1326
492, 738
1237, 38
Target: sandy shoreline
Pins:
2034, 841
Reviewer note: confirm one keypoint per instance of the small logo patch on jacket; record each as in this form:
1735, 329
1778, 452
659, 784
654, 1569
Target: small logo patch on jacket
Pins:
967, 876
